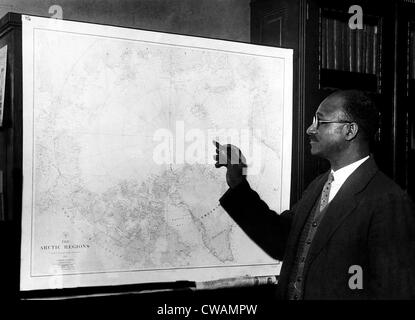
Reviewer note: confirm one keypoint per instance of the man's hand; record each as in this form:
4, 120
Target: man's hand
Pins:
232, 158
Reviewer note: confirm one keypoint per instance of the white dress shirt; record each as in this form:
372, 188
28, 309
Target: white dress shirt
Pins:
341, 175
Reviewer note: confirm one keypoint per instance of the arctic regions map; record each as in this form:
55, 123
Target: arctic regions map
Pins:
119, 181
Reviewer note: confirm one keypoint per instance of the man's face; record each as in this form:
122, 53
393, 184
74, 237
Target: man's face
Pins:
328, 139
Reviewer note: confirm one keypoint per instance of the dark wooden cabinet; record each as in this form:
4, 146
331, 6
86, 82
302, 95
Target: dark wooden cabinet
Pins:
11, 130
405, 96
329, 55
11, 156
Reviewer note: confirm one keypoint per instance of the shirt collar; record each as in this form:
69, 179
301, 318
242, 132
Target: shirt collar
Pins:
342, 174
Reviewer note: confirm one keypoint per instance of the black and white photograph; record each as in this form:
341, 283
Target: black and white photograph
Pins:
206, 159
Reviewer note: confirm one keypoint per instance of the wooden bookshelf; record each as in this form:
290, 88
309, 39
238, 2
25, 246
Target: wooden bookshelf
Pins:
328, 55
348, 57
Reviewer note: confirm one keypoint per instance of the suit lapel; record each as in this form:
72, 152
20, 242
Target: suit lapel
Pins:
341, 206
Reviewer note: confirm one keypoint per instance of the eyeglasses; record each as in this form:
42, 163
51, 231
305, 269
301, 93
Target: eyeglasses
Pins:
317, 121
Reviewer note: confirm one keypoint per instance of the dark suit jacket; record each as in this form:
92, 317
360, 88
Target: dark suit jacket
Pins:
369, 223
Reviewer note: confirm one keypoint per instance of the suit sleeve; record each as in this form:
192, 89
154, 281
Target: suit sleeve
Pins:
264, 226
392, 249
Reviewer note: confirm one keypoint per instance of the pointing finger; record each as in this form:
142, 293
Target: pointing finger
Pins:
217, 144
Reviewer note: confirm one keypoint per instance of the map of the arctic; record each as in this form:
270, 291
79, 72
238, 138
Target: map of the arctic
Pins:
120, 185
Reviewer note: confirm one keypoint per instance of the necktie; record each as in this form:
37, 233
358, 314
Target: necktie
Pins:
326, 192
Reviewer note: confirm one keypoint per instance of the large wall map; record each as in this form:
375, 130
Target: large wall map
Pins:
120, 185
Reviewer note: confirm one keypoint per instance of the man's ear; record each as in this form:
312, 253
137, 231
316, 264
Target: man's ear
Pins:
351, 130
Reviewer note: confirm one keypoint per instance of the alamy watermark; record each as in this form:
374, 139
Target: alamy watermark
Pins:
356, 280
56, 12
356, 20
194, 145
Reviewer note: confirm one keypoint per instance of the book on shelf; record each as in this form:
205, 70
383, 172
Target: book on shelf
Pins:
335, 32
342, 46
336, 44
375, 50
354, 50
346, 45
359, 48
412, 54
323, 43
330, 44
364, 48
351, 50
369, 49
348, 61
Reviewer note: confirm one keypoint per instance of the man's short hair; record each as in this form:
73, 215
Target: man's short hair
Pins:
361, 108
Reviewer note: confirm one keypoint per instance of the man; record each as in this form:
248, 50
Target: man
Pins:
352, 234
